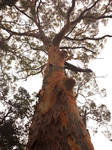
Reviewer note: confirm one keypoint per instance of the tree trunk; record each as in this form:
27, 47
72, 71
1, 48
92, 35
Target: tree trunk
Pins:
56, 124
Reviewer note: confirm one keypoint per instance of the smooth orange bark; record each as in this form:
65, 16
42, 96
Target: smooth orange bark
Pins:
56, 124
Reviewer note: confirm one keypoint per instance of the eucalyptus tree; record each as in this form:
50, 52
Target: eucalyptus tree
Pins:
39, 36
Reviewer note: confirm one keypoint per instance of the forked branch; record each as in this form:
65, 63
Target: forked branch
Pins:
43, 37
69, 25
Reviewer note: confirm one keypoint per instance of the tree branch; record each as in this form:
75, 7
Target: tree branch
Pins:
20, 33
87, 38
61, 34
39, 69
97, 18
70, 10
66, 28
44, 38
29, 33
5, 116
23, 13
36, 20
81, 16
79, 47
69, 25
76, 69
103, 16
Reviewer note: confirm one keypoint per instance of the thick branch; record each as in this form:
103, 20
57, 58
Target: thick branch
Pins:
39, 36
44, 38
61, 34
83, 13
81, 16
66, 27
87, 38
70, 10
69, 25
76, 69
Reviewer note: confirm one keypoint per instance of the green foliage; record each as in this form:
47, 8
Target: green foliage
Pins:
23, 53
14, 118
4, 3
98, 113
8, 136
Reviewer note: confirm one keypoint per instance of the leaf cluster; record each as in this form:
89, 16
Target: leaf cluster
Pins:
14, 119
4, 3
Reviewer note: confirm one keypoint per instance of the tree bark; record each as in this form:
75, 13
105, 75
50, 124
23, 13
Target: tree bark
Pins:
56, 124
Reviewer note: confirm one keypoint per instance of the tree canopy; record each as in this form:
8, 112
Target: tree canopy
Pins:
27, 29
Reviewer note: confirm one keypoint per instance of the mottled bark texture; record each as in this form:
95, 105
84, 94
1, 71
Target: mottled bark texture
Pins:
56, 124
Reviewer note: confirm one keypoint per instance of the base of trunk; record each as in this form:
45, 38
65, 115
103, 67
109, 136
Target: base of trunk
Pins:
56, 124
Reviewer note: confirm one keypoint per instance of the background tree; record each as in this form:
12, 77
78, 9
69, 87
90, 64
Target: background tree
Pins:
29, 27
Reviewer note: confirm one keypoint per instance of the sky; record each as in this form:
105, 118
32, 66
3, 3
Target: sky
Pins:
102, 67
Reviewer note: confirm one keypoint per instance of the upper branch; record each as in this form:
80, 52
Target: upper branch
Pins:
32, 34
70, 10
61, 34
66, 28
36, 20
69, 25
44, 38
83, 13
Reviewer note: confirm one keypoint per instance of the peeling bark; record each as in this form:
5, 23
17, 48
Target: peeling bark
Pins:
56, 124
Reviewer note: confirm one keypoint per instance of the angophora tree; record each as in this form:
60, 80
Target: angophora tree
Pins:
62, 31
